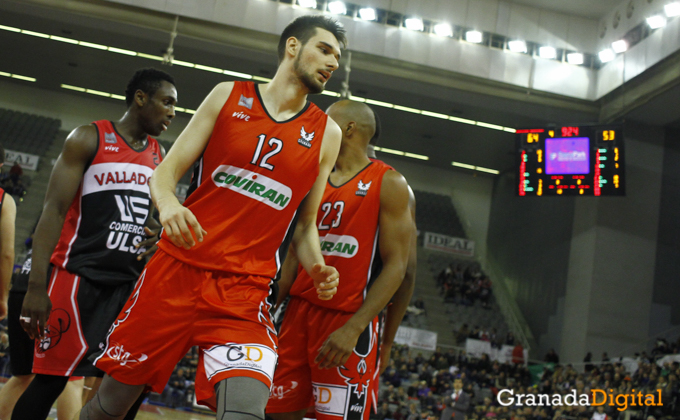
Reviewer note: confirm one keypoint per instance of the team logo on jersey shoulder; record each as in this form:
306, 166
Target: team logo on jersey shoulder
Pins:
362, 189
247, 102
305, 138
110, 138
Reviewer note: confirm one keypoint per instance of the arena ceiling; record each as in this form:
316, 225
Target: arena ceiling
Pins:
55, 63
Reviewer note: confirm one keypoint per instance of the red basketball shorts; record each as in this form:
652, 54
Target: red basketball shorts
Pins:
343, 392
176, 306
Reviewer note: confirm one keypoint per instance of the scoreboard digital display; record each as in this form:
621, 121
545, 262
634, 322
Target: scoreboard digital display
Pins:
573, 160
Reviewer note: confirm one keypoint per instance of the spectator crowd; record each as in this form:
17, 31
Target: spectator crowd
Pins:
415, 387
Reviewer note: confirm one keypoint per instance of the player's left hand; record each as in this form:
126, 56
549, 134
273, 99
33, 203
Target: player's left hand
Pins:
385, 353
338, 347
326, 280
149, 243
3, 309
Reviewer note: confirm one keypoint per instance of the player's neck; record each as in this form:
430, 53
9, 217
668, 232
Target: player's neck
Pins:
283, 99
351, 160
131, 130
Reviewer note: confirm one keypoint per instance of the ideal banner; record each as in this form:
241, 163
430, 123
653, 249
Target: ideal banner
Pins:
26, 161
415, 338
458, 246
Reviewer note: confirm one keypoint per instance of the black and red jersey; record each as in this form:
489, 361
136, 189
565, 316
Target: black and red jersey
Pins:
107, 216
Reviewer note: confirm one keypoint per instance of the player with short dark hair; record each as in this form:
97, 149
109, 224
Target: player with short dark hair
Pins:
147, 80
264, 153
305, 27
329, 349
96, 208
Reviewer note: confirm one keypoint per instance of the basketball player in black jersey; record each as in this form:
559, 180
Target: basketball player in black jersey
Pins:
151, 97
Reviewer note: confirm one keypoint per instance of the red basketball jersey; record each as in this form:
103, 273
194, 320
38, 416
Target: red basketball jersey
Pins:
348, 228
249, 184
107, 216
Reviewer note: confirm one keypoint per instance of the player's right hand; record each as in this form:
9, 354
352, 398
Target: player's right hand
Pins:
181, 226
35, 312
326, 280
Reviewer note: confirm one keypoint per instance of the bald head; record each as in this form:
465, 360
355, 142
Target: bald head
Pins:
354, 118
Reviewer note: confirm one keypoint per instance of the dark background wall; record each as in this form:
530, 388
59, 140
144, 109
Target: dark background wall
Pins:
529, 239
667, 270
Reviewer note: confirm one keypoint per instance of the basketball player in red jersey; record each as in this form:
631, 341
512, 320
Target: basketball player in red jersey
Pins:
396, 309
264, 153
96, 206
365, 227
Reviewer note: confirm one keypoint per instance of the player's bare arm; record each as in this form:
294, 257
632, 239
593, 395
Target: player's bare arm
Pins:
306, 237
289, 272
402, 297
180, 224
394, 242
79, 149
7, 219
152, 228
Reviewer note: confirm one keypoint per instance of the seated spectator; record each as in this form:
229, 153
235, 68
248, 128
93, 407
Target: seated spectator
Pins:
551, 357
4, 351
176, 389
420, 304
15, 172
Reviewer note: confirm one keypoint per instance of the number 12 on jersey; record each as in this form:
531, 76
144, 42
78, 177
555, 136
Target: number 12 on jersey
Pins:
275, 144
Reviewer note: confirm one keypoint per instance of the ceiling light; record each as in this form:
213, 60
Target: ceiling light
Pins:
517, 46
443, 29
311, 4
547, 52
672, 9
463, 165
606, 55
414, 24
656, 22
620, 46
474, 36
337, 8
575, 58
367, 13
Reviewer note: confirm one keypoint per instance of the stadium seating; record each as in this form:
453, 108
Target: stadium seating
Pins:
435, 213
27, 133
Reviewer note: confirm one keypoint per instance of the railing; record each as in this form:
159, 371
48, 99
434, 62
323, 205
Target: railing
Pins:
508, 305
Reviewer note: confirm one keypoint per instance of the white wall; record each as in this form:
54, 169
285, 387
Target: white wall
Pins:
471, 195
531, 24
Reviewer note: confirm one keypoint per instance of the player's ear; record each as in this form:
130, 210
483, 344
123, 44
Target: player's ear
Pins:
293, 46
141, 98
350, 128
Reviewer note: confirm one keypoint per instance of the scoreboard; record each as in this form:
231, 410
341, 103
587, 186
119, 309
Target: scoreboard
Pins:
571, 160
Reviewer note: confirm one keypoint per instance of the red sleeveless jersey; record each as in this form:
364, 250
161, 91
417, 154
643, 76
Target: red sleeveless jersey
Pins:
348, 228
107, 216
249, 183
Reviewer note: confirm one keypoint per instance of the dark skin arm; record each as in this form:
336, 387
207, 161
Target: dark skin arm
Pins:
7, 219
289, 272
402, 297
394, 239
79, 149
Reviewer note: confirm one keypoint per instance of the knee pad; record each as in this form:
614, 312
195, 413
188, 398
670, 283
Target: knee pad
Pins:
241, 398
